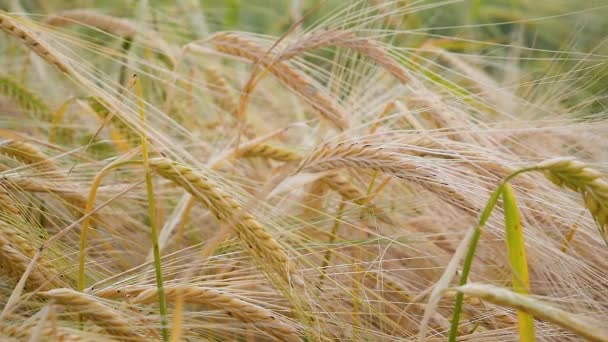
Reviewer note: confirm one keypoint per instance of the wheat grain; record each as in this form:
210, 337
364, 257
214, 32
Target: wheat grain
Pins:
225, 208
33, 42
102, 315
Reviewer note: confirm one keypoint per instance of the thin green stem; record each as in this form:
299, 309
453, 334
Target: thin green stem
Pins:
468, 261
152, 212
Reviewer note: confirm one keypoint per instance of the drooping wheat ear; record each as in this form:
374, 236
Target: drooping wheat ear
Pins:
579, 177
20, 242
13, 263
27, 154
300, 83
109, 319
116, 26
353, 154
33, 42
225, 208
25, 98
220, 91
24, 332
593, 331
347, 39
347, 190
268, 151
215, 299
367, 156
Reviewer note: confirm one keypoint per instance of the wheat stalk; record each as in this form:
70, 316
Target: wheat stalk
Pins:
225, 208
590, 330
33, 42
89, 307
304, 86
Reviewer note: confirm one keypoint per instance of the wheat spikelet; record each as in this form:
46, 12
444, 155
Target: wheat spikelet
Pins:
221, 92
25, 98
579, 177
33, 42
116, 26
102, 315
233, 44
248, 229
27, 154
268, 151
213, 298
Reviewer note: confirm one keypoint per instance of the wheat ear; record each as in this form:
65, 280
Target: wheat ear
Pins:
225, 208
215, 299
33, 42
579, 177
592, 331
220, 91
268, 151
346, 39
23, 333
300, 83
109, 319
14, 263
367, 156
116, 26
27, 154
25, 98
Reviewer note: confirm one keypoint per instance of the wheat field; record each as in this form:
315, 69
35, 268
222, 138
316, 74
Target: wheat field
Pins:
299, 170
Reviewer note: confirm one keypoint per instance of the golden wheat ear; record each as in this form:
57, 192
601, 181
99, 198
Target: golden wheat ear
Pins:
33, 42
111, 320
225, 208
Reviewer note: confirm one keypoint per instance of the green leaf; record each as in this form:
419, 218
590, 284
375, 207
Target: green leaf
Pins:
517, 259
